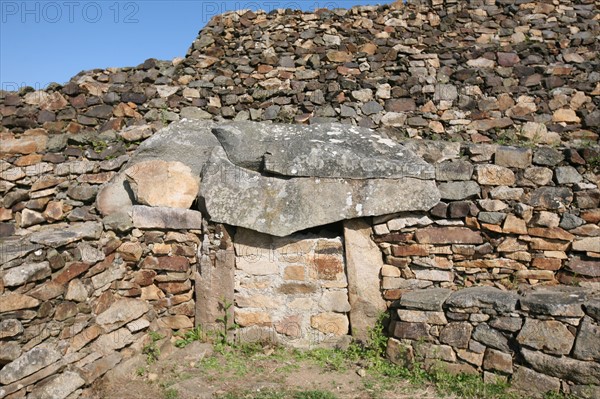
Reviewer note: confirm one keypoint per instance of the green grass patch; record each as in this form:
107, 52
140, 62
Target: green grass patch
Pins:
271, 394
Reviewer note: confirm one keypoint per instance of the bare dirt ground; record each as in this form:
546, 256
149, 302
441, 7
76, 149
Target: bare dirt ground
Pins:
198, 372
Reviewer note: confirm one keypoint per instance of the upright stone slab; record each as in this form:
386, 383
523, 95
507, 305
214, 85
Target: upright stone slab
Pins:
363, 264
214, 284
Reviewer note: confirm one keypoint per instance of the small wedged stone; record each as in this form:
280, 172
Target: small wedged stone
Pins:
147, 217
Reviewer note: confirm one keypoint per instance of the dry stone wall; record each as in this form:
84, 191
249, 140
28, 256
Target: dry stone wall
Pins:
78, 292
508, 216
292, 289
542, 340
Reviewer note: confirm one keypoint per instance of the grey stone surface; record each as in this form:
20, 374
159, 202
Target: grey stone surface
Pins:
456, 170
533, 383
549, 336
491, 337
434, 151
587, 345
547, 156
147, 217
322, 150
570, 221
551, 197
567, 175
429, 299
586, 391
187, 141
484, 297
25, 273
491, 217
115, 196
457, 334
363, 265
458, 190
58, 386
592, 308
28, 363
511, 324
279, 207
9, 351
59, 236
558, 301
13, 248
563, 367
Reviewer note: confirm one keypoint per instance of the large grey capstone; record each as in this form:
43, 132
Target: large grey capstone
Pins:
277, 179
241, 197
322, 150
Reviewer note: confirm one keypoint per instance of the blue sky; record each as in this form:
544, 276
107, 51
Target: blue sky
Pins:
51, 41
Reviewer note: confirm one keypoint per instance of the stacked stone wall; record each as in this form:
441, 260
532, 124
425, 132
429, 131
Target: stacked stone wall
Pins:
541, 340
508, 216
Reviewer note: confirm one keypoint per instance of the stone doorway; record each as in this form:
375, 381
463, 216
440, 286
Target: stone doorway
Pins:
311, 288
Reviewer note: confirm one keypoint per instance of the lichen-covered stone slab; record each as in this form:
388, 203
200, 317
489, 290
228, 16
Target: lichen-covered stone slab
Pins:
59, 236
430, 299
28, 363
556, 301
279, 207
323, 150
484, 297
